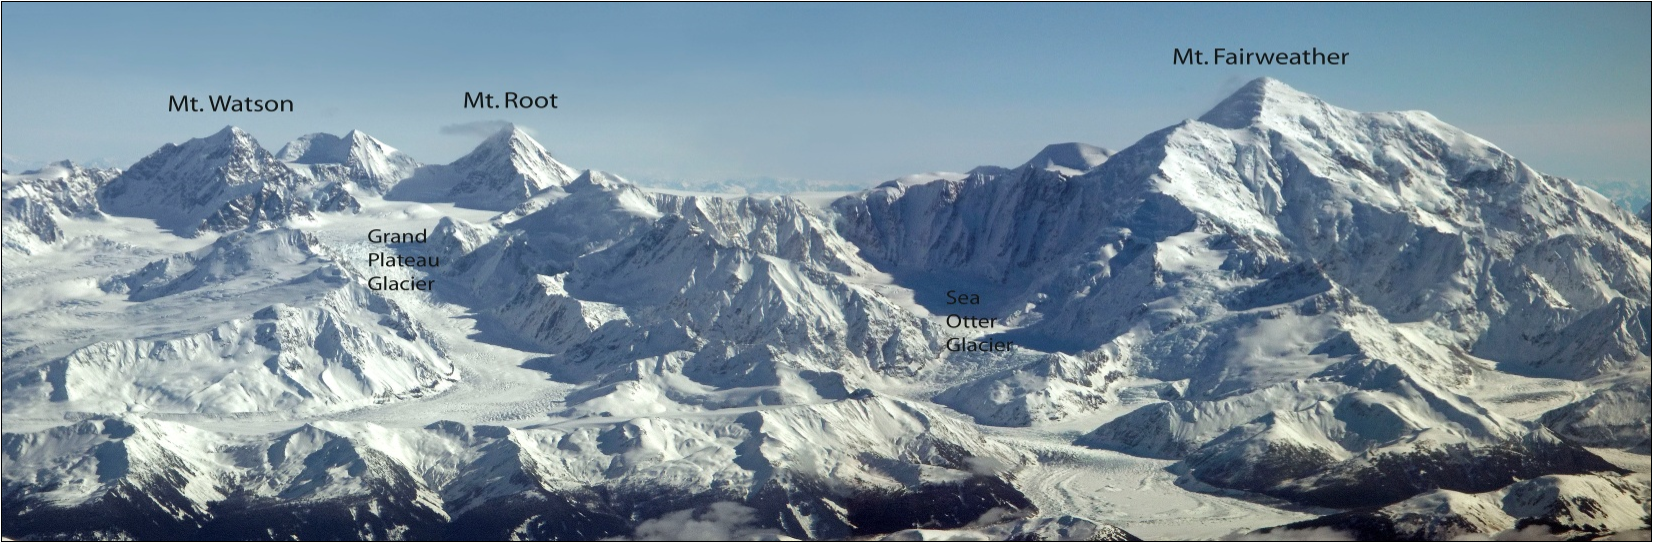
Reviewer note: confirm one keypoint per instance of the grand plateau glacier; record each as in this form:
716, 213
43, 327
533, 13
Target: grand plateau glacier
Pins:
1278, 319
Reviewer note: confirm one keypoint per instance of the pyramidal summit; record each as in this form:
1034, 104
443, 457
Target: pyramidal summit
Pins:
1281, 315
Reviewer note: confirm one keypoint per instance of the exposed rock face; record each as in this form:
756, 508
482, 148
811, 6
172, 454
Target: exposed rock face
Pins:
1302, 272
356, 158
219, 183
1371, 312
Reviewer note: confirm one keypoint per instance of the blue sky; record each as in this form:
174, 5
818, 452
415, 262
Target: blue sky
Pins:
833, 92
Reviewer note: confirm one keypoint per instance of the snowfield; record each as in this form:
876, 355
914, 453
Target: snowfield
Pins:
1282, 318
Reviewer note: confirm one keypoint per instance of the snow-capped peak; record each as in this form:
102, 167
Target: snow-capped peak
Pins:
1071, 158
220, 182
504, 170
317, 148
324, 148
1332, 308
34, 200
228, 156
232, 136
229, 144
524, 152
57, 169
510, 132
357, 158
1260, 98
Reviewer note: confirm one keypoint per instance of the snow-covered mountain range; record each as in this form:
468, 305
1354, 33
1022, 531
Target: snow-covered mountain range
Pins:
355, 158
34, 200
1316, 318
504, 170
219, 183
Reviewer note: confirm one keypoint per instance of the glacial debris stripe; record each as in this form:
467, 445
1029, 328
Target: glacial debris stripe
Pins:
1374, 315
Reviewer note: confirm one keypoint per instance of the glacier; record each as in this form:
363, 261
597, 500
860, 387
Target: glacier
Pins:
1281, 315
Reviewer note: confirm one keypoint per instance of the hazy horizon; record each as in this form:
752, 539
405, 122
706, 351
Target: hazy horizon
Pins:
850, 94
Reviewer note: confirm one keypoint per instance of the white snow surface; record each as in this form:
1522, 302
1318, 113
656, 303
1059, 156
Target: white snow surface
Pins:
355, 158
1233, 314
1069, 158
1553, 507
503, 171
35, 201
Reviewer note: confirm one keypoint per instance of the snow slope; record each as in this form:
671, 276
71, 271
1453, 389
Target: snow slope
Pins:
503, 171
1280, 312
1255, 258
261, 321
454, 480
1069, 159
219, 183
1553, 507
356, 158
34, 201
70, 189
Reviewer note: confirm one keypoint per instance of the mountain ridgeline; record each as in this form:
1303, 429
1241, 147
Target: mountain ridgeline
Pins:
1283, 300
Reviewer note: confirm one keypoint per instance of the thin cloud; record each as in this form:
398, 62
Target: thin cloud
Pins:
720, 521
481, 129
